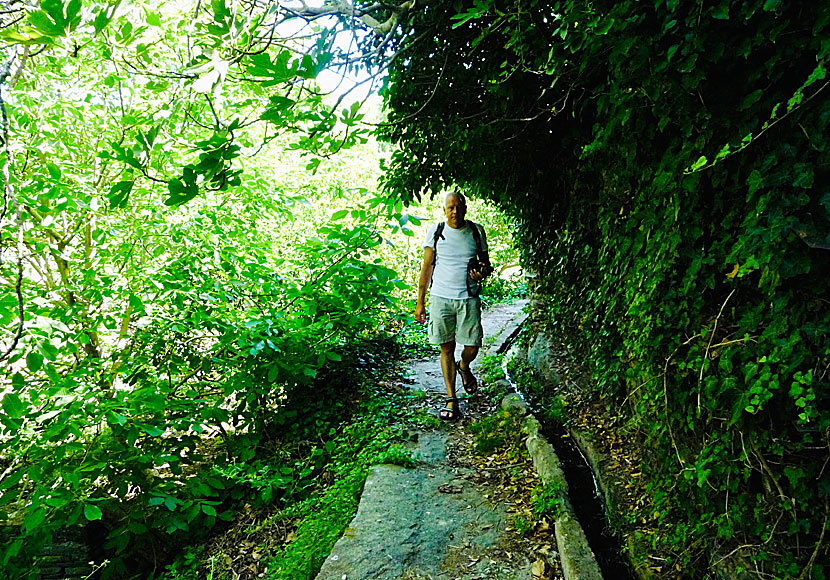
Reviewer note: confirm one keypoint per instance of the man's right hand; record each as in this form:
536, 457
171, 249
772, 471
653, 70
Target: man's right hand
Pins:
420, 313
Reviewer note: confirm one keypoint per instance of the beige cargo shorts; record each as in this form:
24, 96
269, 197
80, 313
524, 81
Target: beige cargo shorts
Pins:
455, 320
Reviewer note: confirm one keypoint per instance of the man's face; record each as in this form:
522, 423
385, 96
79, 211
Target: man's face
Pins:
455, 212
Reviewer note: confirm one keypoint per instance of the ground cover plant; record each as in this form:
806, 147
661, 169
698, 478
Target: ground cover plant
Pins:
291, 539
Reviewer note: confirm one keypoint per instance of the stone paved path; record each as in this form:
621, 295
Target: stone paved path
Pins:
431, 522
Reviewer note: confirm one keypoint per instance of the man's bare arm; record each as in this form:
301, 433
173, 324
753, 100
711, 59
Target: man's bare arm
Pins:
423, 285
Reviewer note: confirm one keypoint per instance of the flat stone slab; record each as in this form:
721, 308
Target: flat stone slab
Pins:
407, 523
502, 320
510, 318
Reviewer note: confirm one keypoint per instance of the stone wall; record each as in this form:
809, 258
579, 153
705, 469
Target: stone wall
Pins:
68, 557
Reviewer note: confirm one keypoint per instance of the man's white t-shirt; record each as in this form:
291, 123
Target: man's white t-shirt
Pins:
449, 278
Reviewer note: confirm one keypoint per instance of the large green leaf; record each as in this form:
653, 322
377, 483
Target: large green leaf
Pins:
9, 310
34, 360
120, 192
13, 406
33, 519
92, 512
182, 189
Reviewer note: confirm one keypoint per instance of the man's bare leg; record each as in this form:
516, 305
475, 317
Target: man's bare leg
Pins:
468, 381
468, 355
448, 368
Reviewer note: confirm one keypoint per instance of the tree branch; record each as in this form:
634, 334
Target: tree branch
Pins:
10, 198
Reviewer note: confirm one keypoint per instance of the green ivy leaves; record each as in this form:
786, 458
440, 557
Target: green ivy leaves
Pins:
673, 191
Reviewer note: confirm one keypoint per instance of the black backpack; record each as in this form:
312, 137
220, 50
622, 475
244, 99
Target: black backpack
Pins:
480, 262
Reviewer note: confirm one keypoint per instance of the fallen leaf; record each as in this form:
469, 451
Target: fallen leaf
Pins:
541, 570
450, 488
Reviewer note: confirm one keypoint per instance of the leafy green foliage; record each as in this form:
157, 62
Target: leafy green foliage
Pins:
547, 501
162, 339
397, 455
323, 524
414, 341
497, 290
524, 375
177, 299
185, 283
490, 368
350, 442
665, 161
230, 340
497, 431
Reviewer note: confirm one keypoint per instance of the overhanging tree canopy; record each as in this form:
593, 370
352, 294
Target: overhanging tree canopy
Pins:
667, 163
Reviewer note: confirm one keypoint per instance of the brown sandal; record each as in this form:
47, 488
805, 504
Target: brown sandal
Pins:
452, 412
468, 379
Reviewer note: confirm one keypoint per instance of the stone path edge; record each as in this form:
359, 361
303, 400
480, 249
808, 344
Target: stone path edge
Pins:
577, 559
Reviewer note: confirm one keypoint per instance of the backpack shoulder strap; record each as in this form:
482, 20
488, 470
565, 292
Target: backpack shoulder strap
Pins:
476, 235
439, 233
481, 253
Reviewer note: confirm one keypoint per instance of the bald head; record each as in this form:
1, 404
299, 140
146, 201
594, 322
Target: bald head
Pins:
459, 198
455, 208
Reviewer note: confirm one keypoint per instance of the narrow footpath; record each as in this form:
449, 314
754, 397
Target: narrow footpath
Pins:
448, 517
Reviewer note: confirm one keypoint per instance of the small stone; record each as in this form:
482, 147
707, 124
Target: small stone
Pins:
514, 403
504, 384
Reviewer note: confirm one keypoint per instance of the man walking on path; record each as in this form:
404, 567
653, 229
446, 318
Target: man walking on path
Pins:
455, 261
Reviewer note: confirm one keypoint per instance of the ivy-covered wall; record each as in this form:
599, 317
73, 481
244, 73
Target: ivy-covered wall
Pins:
667, 164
